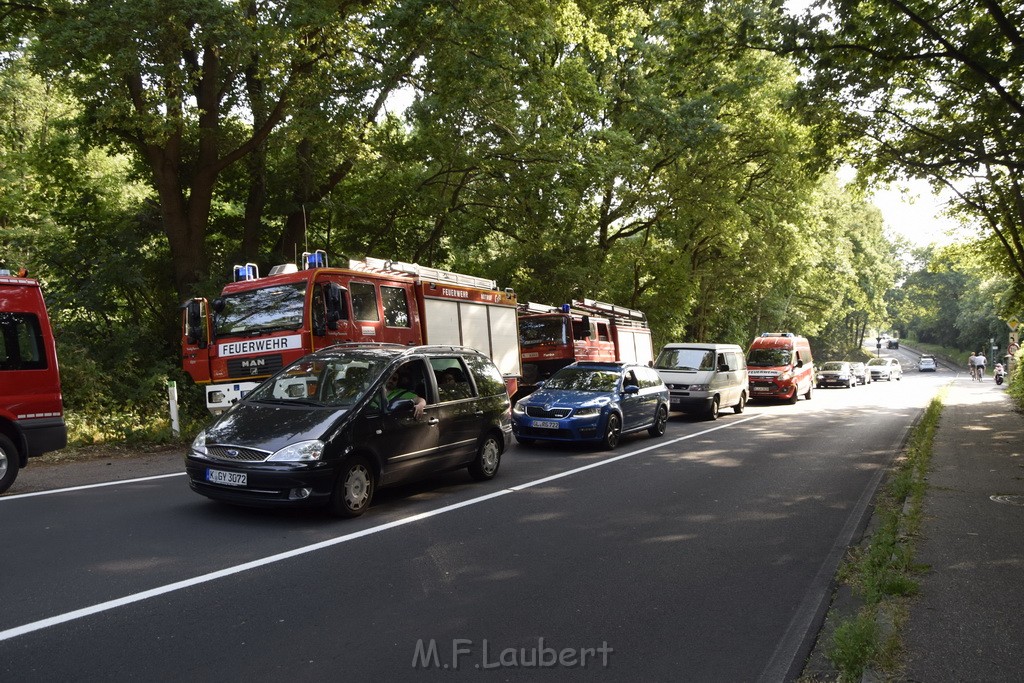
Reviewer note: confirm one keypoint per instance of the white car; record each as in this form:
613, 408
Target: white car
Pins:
885, 368
927, 364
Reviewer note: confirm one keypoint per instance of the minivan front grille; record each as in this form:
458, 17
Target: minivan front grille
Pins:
235, 454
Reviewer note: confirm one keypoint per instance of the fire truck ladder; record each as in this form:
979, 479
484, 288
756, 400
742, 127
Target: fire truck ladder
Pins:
619, 314
387, 266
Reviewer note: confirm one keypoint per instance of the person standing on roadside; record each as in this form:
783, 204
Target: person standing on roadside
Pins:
980, 361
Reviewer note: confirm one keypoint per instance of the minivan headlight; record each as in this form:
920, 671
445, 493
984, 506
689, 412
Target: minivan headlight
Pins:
303, 451
199, 444
699, 387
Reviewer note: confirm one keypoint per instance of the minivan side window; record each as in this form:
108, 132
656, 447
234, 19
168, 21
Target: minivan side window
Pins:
489, 381
452, 379
21, 342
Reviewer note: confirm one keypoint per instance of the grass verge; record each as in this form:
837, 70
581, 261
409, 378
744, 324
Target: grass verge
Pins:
881, 571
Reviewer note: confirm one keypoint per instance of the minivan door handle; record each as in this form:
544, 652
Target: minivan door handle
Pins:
433, 421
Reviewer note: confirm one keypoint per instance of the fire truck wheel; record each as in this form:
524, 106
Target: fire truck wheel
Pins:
488, 459
8, 463
658, 428
612, 432
354, 490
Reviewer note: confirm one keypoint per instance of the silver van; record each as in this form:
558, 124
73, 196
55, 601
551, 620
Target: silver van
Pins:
703, 378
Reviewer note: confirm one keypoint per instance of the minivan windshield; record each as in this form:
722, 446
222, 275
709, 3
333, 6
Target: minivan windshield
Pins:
768, 358
262, 310
686, 359
583, 379
334, 381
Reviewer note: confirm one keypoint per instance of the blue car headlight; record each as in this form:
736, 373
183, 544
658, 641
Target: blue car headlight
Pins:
587, 412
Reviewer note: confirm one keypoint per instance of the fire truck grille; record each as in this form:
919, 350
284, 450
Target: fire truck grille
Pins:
231, 454
240, 368
537, 411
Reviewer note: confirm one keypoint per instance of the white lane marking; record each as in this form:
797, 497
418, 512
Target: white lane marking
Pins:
237, 569
90, 486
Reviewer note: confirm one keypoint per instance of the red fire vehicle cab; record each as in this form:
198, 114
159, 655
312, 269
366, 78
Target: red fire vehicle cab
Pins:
31, 407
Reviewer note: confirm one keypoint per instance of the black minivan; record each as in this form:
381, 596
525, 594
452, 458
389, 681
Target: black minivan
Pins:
332, 427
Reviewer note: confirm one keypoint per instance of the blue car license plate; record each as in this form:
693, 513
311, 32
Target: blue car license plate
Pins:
544, 424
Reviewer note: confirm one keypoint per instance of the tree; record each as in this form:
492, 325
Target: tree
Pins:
926, 89
193, 87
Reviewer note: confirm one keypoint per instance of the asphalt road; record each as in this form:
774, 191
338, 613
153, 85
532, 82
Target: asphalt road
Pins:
707, 554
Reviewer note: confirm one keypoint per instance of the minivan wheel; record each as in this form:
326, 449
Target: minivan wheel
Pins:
658, 428
810, 388
8, 463
741, 404
612, 432
354, 490
713, 409
488, 460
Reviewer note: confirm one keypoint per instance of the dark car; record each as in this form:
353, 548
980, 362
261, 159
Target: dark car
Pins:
836, 373
596, 402
333, 427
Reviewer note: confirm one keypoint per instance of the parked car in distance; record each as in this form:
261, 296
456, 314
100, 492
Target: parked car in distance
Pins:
333, 427
835, 373
885, 368
703, 378
927, 364
593, 402
861, 372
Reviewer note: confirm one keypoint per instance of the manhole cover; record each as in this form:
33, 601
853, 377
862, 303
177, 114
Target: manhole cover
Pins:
1009, 500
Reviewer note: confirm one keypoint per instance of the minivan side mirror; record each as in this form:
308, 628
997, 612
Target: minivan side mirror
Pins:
800, 363
402, 407
723, 367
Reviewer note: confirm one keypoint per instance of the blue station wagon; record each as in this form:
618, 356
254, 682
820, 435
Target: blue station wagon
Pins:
593, 402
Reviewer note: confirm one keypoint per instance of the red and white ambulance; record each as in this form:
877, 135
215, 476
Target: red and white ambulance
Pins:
780, 366
31, 405
260, 324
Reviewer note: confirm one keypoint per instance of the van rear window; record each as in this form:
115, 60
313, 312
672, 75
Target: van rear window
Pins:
21, 342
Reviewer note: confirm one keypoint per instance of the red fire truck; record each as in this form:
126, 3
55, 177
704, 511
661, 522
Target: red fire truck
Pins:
258, 325
553, 337
31, 406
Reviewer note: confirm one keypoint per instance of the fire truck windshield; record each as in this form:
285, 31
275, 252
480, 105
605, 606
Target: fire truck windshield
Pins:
542, 330
262, 310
